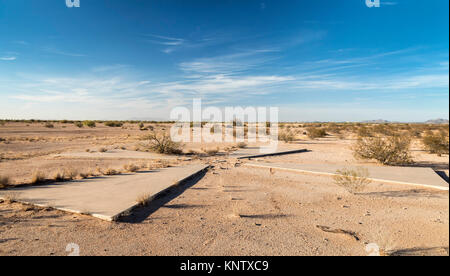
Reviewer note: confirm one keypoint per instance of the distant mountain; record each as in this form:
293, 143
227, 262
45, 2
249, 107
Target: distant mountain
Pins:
379, 121
437, 121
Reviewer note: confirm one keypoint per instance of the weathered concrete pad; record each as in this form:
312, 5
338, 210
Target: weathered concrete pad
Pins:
116, 154
254, 152
105, 197
423, 177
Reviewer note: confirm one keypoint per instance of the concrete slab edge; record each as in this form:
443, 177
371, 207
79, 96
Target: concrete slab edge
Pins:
273, 154
334, 174
117, 216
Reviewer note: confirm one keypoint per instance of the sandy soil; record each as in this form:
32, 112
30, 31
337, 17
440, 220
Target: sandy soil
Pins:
231, 210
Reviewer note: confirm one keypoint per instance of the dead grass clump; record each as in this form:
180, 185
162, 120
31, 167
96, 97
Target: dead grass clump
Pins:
143, 199
37, 177
4, 181
436, 143
162, 143
70, 174
393, 150
58, 176
131, 167
315, 133
110, 171
352, 180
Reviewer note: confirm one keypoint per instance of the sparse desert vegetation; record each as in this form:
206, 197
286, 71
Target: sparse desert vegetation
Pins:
162, 143
353, 180
393, 150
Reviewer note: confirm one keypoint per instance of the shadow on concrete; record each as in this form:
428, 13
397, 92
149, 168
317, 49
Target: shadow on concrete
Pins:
408, 193
140, 214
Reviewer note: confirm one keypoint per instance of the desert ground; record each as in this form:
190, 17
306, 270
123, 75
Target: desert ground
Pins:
231, 209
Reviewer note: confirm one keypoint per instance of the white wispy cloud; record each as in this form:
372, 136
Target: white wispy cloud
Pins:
8, 58
56, 51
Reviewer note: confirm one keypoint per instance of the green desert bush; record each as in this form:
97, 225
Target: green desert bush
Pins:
113, 124
89, 124
353, 181
314, 132
436, 143
162, 143
392, 150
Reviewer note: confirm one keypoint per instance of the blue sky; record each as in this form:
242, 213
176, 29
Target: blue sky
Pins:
316, 60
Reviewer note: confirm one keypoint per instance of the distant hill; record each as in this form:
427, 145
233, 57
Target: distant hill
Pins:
437, 121
379, 121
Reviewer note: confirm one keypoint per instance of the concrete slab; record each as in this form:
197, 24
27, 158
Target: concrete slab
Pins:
116, 154
423, 177
106, 197
254, 152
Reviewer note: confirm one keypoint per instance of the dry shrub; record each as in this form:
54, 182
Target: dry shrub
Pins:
131, 167
314, 132
4, 181
113, 124
393, 150
241, 145
162, 143
352, 180
70, 174
78, 124
286, 136
58, 176
103, 150
110, 171
37, 177
143, 199
49, 125
436, 143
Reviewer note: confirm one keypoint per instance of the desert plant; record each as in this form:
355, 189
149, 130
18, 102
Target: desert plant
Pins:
49, 125
110, 171
392, 150
436, 143
90, 124
113, 124
162, 143
37, 177
241, 145
4, 181
352, 180
78, 124
286, 136
102, 150
58, 176
314, 132
131, 167
143, 199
